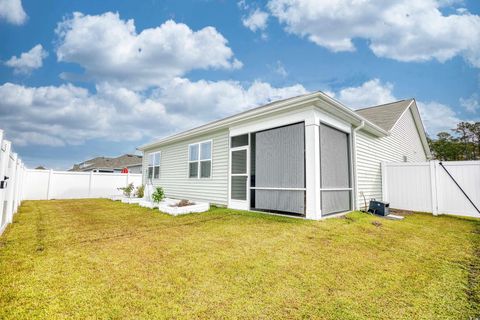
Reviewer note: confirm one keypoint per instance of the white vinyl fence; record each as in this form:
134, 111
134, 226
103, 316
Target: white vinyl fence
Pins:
431, 187
49, 184
12, 173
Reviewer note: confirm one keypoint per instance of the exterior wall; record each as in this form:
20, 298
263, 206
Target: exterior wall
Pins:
174, 170
404, 140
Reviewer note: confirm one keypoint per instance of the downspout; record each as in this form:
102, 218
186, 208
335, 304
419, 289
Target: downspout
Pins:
355, 173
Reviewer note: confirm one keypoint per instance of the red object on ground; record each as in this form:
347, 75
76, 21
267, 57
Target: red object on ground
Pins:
125, 170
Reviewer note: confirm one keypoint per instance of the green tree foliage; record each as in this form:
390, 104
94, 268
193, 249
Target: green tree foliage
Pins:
158, 195
463, 145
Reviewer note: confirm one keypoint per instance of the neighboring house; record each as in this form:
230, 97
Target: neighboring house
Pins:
308, 155
132, 162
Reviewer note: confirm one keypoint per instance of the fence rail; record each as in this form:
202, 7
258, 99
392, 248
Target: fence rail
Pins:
427, 186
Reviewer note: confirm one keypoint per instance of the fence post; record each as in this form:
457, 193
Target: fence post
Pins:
49, 186
11, 188
433, 186
384, 182
90, 183
128, 178
5, 147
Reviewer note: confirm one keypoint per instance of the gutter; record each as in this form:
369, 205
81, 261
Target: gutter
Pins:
355, 173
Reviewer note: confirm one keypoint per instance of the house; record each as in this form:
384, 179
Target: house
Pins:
132, 162
307, 155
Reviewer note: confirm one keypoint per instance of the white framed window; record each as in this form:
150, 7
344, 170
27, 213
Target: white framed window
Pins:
200, 160
153, 165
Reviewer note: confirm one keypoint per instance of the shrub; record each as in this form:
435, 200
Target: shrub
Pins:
139, 193
158, 195
127, 191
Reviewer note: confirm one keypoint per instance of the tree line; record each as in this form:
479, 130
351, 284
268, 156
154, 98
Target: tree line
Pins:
464, 144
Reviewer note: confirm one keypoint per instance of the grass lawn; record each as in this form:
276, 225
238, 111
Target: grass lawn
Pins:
103, 259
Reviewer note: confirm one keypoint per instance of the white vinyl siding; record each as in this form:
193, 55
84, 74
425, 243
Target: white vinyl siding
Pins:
174, 170
404, 140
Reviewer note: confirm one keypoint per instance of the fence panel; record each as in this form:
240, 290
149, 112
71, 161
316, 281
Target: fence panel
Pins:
49, 184
451, 199
427, 186
405, 181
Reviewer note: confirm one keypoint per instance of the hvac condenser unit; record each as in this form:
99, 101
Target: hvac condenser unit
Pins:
379, 207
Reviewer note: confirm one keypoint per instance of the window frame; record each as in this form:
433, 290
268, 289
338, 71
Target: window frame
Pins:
199, 160
152, 154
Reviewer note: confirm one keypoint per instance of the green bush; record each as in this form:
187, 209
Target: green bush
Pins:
158, 195
127, 191
139, 193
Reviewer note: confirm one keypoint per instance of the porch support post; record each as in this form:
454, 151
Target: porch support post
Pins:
312, 168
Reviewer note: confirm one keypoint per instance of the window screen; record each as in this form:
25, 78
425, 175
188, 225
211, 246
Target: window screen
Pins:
239, 161
280, 163
334, 170
239, 141
193, 169
280, 157
239, 187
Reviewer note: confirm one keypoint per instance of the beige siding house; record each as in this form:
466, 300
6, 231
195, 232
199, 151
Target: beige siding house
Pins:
308, 156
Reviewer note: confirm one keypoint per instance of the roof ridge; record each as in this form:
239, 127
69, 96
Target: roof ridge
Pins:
384, 104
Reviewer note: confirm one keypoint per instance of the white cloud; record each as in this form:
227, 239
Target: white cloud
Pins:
12, 12
110, 49
256, 20
211, 100
370, 93
471, 104
28, 61
70, 115
404, 30
435, 116
280, 69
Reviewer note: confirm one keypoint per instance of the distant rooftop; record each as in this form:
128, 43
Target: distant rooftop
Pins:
120, 162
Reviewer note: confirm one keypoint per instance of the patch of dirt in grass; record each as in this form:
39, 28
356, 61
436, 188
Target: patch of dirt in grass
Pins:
399, 212
377, 224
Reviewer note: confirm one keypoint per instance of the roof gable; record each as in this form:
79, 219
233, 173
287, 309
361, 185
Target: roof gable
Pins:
386, 115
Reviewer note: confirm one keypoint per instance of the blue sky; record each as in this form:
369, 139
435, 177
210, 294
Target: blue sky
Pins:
80, 79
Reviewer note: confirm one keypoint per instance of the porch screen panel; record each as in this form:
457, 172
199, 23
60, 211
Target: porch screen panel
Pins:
335, 201
334, 170
280, 200
280, 163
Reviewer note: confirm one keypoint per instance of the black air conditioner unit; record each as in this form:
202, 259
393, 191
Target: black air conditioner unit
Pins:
379, 207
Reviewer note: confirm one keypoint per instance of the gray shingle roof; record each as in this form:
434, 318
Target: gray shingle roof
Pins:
386, 115
120, 162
